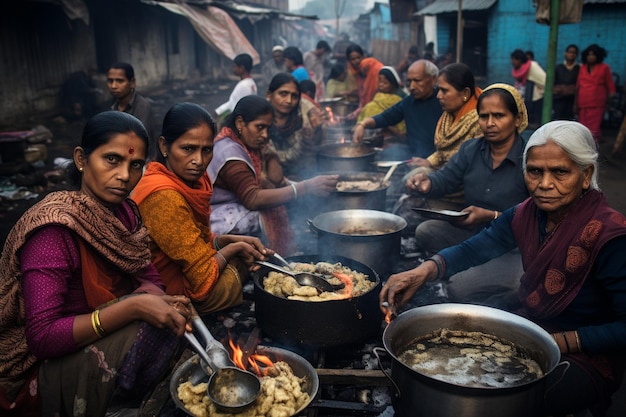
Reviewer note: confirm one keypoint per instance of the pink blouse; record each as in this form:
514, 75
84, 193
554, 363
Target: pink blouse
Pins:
53, 290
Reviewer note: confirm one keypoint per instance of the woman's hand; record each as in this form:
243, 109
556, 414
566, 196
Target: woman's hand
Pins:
322, 185
419, 162
400, 287
477, 216
420, 183
165, 311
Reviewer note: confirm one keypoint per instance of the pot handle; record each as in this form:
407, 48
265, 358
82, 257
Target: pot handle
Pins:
313, 228
566, 365
377, 351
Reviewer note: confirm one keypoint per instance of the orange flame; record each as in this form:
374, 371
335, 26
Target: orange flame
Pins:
331, 116
260, 364
388, 317
347, 282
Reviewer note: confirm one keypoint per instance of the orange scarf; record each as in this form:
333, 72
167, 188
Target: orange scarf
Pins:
157, 178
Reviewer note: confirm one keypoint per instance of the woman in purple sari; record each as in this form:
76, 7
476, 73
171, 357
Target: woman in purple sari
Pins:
572, 244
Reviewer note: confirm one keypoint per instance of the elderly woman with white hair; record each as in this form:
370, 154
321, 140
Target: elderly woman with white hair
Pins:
574, 283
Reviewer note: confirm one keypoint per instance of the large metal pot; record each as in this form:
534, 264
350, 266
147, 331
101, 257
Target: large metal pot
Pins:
369, 236
320, 324
421, 395
345, 157
191, 371
374, 199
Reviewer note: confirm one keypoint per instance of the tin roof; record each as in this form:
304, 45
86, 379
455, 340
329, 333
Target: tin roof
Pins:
447, 6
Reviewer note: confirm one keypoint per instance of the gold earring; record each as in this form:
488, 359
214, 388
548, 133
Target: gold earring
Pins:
464, 98
80, 169
164, 155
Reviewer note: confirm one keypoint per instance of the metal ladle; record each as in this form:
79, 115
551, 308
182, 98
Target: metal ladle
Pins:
305, 278
231, 389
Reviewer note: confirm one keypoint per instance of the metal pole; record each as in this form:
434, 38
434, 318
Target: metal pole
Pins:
459, 32
546, 114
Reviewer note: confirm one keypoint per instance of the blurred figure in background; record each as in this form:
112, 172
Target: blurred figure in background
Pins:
564, 90
594, 89
275, 65
524, 72
315, 62
242, 65
295, 64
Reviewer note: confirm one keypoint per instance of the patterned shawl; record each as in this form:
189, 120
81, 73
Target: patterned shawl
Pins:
452, 131
125, 249
557, 267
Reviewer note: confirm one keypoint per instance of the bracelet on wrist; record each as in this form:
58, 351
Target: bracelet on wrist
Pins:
219, 254
96, 324
295, 190
496, 214
216, 243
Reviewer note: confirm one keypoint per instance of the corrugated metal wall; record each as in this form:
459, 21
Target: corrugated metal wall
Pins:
39, 47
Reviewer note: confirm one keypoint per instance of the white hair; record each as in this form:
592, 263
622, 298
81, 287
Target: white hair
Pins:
575, 139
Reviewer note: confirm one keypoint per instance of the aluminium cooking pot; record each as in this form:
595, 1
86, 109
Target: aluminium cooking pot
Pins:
346, 157
374, 199
192, 371
369, 236
320, 324
422, 395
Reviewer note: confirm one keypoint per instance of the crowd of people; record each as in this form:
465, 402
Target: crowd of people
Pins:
98, 283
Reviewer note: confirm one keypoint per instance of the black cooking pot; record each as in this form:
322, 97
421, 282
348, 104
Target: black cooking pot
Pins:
321, 324
421, 395
346, 157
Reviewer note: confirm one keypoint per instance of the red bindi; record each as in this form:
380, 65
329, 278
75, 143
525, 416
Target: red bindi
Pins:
131, 150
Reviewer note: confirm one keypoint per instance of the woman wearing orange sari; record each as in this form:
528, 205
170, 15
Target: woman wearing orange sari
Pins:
173, 198
366, 72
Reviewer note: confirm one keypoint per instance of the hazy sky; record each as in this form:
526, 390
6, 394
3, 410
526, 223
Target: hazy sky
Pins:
298, 4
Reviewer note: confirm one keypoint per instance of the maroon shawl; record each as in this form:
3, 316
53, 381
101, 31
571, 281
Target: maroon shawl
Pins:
557, 267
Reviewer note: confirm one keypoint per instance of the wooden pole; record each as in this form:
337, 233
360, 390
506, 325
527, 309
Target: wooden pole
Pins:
459, 32
553, 39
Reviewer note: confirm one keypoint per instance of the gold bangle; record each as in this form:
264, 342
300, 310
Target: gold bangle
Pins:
95, 323
566, 342
495, 214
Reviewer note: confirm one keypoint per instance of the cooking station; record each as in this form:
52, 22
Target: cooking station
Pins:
350, 379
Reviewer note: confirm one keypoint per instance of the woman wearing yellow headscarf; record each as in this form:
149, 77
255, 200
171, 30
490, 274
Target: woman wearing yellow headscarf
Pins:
490, 171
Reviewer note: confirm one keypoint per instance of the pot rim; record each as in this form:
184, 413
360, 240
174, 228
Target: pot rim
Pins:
459, 310
362, 214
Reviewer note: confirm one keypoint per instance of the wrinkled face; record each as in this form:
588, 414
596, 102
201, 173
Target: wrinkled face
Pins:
450, 98
554, 181
255, 133
112, 170
421, 84
355, 59
285, 98
496, 120
190, 154
384, 85
118, 84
